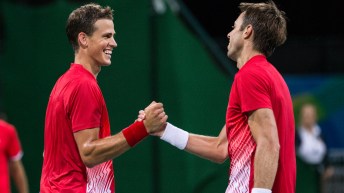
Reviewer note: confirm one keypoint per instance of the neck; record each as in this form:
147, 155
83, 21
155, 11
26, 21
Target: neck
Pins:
246, 57
82, 60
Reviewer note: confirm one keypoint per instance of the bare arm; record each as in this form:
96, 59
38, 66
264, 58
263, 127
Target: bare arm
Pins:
264, 130
94, 151
212, 148
19, 176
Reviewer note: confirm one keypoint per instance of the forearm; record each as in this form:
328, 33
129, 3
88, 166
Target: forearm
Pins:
265, 165
94, 150
104, 149
207, 147
19, 176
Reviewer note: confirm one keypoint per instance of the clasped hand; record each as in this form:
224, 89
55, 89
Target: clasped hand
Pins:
154, 118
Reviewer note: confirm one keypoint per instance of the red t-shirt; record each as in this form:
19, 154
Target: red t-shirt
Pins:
76, 103
10, 150
259, 85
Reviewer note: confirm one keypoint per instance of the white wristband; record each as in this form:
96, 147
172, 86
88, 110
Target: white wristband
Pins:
175, 136
260, 190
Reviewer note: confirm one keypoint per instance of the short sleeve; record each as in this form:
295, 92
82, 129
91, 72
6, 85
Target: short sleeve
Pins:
85, 108
254, 92
14, 150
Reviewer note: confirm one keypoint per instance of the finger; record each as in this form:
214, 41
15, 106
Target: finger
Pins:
157, 105
153, 108
141, 117
142, 113
157, 112
164, 119
162, 114
151, 105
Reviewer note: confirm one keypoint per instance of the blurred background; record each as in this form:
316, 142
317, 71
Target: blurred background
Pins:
174, 52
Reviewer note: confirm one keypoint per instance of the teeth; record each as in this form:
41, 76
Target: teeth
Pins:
108, 52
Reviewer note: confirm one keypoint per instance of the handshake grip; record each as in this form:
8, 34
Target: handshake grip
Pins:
167, 132
154, 119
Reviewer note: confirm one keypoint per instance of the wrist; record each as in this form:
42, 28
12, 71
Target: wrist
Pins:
175, 136
135, 133
260, 190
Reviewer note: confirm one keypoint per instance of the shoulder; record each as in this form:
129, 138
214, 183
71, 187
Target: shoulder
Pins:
7, 127
255, 68
85, 83
75, 80
6, 124
253, 75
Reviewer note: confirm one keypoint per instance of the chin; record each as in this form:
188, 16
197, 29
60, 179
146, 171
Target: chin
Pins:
229, 55
106, 63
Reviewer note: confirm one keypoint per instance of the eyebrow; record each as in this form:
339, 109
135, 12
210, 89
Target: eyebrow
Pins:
109, 34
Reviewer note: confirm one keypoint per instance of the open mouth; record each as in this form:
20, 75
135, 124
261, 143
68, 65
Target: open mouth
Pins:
108, 52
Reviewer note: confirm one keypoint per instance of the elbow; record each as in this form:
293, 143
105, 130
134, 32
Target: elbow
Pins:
88, 156
274, 147
221, 154
221, 157
276, 151
220, 160
88, 162
269, 146
88, 159
277, 147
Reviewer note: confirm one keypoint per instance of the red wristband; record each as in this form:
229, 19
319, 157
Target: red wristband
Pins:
135, 133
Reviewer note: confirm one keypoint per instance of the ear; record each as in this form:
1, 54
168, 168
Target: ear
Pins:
248, 31
82, 39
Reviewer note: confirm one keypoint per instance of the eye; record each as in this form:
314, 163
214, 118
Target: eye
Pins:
107, 36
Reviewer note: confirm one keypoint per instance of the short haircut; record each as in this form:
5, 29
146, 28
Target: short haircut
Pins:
83, 18
269, 25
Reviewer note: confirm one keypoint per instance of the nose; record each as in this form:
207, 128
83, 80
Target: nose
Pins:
228, 35
113, 43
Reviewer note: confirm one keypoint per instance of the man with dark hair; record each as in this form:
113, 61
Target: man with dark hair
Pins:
258, 135
78, 146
